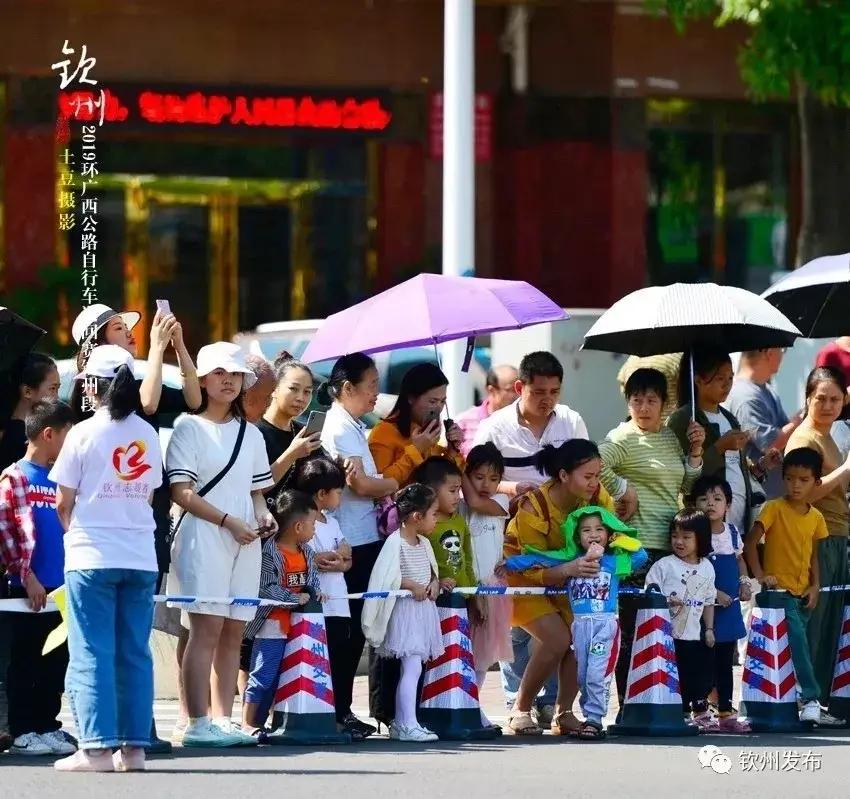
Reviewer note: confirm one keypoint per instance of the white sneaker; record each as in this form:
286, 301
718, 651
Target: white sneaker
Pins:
811, 713
203, 733
417, 734
58, 743
828, 720
30, 744
229, 727
395, 731
178, 732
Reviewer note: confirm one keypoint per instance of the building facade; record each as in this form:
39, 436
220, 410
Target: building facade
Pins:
264, 161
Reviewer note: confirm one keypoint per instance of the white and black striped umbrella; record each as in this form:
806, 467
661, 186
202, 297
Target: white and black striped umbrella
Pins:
684, 316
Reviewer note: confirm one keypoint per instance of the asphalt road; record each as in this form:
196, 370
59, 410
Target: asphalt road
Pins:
777, 766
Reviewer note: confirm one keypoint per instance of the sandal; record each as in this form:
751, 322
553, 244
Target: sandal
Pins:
559, 727
589, 732
521, 723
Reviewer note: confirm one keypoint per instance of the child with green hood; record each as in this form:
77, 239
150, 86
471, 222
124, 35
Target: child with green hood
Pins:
595, 533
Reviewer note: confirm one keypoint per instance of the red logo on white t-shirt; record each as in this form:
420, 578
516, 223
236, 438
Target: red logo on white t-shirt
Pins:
129, 461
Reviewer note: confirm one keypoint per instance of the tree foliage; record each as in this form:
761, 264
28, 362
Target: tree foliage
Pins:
789, 41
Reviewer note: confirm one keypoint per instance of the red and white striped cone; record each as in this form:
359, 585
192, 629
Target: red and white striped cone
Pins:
449, 702
839, 694
653, 701
304, 702
769, 685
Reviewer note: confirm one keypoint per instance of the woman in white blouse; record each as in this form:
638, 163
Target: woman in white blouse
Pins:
217, 467
352, 391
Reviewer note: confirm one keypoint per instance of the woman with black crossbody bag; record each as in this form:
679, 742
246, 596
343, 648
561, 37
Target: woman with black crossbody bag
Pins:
216, 551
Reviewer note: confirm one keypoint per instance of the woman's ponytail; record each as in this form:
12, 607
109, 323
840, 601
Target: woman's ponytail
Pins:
323, 395
121, 397
552, 460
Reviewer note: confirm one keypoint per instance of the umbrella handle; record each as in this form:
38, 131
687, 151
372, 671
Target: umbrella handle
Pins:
693, 390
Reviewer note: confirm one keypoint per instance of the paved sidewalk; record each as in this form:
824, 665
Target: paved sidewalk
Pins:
492, 699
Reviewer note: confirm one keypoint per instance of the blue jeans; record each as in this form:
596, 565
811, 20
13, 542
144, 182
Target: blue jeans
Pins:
110, 673
512, 672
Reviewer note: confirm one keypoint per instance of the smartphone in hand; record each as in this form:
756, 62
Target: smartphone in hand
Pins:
315, 423
164, 307
429, 417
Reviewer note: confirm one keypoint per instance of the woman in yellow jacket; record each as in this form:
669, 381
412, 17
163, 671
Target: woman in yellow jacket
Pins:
412, 431
573, 470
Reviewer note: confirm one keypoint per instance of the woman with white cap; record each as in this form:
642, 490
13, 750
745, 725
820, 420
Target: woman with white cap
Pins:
106, 474
217, 466
99, 324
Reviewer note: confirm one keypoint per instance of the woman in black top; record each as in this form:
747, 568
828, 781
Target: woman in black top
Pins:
286, 441
100, 324
33, 377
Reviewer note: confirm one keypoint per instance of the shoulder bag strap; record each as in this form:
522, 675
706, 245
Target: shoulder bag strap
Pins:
237, 448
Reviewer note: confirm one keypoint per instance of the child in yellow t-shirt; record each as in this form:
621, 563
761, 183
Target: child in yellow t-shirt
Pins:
791, 527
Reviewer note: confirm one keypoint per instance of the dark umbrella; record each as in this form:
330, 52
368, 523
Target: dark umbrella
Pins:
17, 337
816, 297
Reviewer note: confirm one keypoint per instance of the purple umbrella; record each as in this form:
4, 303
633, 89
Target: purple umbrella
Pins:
431, 309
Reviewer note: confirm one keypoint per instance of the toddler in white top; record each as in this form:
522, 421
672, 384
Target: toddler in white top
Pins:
686, 578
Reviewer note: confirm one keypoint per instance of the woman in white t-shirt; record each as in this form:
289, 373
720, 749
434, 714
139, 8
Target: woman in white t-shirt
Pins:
352, 391
106, 474
217, 466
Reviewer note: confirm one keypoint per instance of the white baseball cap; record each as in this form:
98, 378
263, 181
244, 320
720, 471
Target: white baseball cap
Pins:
92, 318
228, 356
105, 360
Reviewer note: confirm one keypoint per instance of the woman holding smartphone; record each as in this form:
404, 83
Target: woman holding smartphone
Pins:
412, 431
288, 444
99, 324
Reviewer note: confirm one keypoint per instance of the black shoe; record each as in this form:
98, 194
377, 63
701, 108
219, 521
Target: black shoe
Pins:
157, 746
351, 723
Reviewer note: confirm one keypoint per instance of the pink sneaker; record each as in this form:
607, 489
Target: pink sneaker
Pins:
732, 725
129, 759
706, 722
86, 760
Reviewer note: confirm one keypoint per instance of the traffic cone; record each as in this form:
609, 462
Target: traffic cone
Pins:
449, 702
769, 701
653, 702
839, 694
304, 702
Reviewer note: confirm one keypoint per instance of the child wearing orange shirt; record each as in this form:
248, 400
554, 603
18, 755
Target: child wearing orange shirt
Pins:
288, 574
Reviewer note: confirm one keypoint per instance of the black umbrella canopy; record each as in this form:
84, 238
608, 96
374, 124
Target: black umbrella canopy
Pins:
816, 297
684, 316
17, 337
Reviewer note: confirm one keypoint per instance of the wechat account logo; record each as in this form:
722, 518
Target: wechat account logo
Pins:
711, 757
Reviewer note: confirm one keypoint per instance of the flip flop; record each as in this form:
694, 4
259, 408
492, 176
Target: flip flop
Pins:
589, 732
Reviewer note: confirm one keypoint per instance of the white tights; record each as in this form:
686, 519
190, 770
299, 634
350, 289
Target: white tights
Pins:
480, 676
405, 694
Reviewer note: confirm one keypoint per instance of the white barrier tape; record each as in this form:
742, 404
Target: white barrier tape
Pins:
21, 606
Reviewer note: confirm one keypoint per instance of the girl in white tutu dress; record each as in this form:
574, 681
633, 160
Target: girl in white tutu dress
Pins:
407, 628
